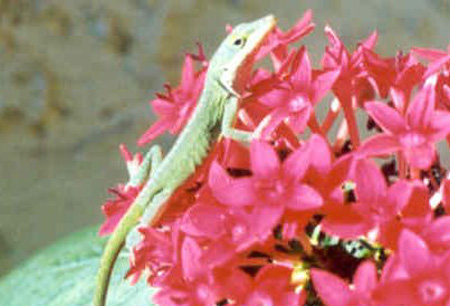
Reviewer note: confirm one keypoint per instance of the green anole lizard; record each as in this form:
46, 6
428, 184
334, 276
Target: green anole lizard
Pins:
213, 116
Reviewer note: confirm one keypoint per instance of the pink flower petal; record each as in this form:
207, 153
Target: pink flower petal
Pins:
190, 254
397, 293
263, 219
301, 78
278, 39
299, 119
203, 220
440, 125
346, 222
277, 96
386, 117
435, 66
331, 289
276, 118
420, 110
371, 186
365, 279
371, 41
379, 145
234, 192
414, 253
399, 194
297, 162
438, 233
418, 209
263, 159
429, 54
163, 107
322, 84
304, 198
319, 149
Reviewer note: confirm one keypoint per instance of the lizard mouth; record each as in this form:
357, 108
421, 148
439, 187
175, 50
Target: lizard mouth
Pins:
262, 28
242, 63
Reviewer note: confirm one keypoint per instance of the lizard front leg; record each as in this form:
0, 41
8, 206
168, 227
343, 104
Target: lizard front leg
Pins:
229, 117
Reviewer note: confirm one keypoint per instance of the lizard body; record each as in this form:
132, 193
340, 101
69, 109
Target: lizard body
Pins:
213, 116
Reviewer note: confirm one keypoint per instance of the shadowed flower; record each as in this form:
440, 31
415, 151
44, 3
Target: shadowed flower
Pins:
415, 276
115, 209
125, 194
335, 291
380, 209
396, 76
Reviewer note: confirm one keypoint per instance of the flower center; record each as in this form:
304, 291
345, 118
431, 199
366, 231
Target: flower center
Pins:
412, 139
431, 291
297, 103
239, 232
271, 189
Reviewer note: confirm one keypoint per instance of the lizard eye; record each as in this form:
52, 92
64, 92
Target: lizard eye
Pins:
239, 42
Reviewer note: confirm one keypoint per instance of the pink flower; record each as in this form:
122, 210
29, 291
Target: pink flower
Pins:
227, 231
125, 194
115, 209
397, 76
176, 106
278, 40
156, 252
380, 209
415, 276
273, 184
295, 96
415, 134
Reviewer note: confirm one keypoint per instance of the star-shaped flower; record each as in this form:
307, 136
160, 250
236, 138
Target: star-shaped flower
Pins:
176, 106
293, 98
413, 134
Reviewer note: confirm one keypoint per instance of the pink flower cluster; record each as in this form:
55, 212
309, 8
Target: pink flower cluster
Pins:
255, 225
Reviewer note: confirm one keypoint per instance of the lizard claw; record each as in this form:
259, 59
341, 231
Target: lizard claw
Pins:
257, 133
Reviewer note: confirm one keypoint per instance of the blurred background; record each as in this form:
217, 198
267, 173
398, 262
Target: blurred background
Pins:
75, 78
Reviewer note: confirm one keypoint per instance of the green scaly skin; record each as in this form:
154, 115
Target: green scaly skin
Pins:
213, 116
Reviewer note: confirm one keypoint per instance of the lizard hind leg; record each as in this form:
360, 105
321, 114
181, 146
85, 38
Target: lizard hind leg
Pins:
138, 176
147, 168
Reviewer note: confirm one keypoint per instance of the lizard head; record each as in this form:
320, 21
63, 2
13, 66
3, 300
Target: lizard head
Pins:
234, 58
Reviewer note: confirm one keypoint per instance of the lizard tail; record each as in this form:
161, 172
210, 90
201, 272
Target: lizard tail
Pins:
115, 243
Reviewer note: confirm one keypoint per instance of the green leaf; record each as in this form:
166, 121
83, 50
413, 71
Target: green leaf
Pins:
65, 273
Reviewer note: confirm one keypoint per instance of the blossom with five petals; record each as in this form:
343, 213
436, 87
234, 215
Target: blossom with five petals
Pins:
414, 134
